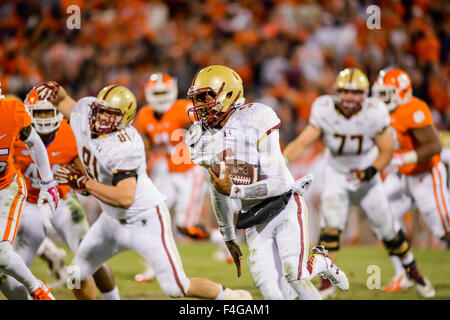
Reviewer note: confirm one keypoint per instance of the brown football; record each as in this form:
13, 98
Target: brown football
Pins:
240, 172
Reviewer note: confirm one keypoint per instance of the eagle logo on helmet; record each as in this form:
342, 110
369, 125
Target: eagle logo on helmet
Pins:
113, 110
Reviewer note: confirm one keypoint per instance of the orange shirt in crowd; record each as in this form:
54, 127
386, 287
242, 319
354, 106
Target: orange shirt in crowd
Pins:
61, 150
14, 117
411, 115
167, 133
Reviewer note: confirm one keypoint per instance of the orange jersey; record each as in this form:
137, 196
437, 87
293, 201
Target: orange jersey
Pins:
167, 133
61, 150
411, 115
13, 118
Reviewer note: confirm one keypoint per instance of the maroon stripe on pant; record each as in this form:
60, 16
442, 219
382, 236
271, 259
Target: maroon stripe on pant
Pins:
167, 252
302, 244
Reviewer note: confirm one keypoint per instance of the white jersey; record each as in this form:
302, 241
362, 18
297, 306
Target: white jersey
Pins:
350, 142
119, 151
247, 136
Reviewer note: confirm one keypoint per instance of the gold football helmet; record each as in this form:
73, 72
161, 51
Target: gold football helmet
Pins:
113, 109
215, 91
352, 86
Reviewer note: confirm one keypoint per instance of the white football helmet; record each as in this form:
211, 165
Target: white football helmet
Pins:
42, 125
161, 91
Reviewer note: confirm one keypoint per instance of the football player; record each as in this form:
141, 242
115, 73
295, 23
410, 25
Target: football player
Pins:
421, 177
69, 221
15, 124
355, 131
162, 125
228, 129
134, 215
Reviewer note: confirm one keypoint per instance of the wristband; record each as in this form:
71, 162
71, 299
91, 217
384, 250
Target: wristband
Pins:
370, 172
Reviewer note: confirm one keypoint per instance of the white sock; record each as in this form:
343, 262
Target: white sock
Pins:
112, 295
221, 293
408, 259
398, 266
14, 265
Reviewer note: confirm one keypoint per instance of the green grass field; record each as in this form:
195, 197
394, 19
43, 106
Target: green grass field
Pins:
198, 262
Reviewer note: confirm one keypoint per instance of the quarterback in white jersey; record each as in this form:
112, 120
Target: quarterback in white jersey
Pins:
134, 215
355, 131
229, 130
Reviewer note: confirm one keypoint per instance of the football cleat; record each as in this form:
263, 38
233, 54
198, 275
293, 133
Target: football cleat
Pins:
332, 272
147, 276
237, 295
425, 290
399, 282
42, 293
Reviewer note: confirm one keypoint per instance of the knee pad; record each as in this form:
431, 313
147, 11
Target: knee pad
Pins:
330, 238
398, 246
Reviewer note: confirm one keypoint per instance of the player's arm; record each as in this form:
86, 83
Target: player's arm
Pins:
58, 96
385, 144
38, 152
120, 194
428, 140
39, 155
271, 164
295, 148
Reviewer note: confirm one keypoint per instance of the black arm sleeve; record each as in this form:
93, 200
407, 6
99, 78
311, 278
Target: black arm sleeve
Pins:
25, 133
120, 175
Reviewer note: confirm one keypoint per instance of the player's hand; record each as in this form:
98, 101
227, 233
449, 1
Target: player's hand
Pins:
51, 91
236, 253
222, 185
72, 176
362, 175
49, 192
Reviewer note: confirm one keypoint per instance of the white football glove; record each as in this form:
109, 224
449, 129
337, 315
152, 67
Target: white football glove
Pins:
49, 192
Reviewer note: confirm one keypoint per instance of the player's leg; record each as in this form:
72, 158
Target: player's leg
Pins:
431, 195
152, 238
165, 183
400, 202
97, 246
264, 262
334, 209
375, 204
103, 277
190, 188
29, 235
11, 263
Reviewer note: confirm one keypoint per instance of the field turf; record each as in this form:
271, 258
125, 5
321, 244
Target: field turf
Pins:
198, 262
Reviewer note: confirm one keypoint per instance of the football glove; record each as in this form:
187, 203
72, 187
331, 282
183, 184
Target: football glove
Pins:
362, 175
48, 91
49, 192
72, 176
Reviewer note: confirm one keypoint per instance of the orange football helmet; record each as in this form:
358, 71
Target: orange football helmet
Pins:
161, 91
35, 104
394, 87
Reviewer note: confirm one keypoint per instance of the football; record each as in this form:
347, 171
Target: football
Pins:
241, 172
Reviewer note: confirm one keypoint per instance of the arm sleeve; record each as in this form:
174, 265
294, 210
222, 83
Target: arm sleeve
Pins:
273, 166
39, 155
223, 211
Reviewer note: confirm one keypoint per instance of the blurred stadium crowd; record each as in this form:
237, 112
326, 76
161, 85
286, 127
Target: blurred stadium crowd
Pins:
288, 52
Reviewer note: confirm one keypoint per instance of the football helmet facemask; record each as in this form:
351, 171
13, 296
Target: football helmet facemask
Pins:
161, 91
113, 110
352, 87
36, 106
393, 86
215, 91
